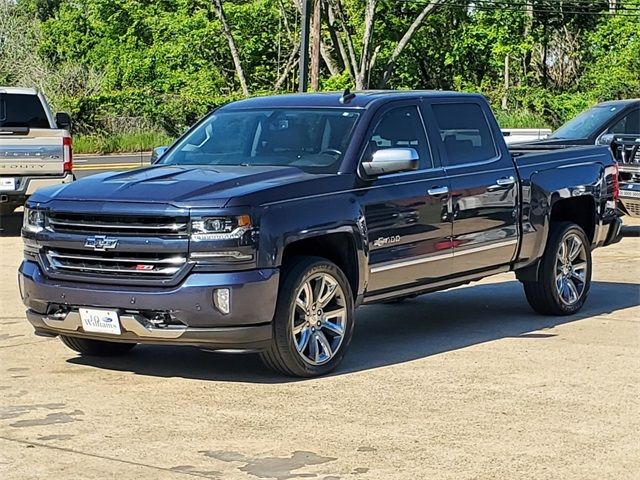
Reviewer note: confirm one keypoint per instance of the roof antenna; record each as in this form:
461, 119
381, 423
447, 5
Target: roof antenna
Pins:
347, 96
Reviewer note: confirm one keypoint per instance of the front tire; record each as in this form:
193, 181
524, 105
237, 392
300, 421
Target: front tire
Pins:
314, 319
96, 348
564, 276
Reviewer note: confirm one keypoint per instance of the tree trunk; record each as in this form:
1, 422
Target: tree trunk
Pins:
291, 62
226, 32
528, 26
337, 7
406, 38
315, 46
328, 60
338, 44
324, 51
505, 97
369, 16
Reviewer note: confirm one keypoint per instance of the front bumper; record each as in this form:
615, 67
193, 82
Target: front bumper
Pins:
194, 317
27, 184
136, 329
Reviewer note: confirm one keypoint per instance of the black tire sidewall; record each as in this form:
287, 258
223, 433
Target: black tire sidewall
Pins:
295, 275
559, 233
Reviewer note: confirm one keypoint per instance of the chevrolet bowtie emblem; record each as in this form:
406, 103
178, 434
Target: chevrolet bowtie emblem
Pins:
100, 243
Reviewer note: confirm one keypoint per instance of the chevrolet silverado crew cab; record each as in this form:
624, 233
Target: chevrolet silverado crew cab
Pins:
35, 146
267, 223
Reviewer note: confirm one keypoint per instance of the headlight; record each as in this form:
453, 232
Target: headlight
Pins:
33, 220
219, 228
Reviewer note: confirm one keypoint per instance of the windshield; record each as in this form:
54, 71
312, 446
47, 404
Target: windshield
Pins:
587, 123
313, 140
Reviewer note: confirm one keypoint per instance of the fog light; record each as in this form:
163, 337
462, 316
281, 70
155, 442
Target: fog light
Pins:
222, 300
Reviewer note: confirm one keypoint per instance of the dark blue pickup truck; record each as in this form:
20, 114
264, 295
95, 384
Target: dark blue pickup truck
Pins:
273, 218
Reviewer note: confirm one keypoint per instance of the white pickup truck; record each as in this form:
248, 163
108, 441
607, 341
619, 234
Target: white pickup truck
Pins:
35, 146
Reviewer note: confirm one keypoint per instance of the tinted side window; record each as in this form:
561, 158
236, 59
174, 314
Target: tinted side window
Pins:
18, 110
400, 128
628, 125
465, 132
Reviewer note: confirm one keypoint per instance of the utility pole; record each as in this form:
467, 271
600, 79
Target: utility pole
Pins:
315, 47
304, 46
506, 82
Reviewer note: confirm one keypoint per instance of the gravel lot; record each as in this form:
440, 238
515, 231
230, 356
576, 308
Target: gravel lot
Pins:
463, 384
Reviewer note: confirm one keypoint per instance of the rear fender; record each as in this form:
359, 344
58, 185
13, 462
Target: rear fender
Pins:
542, 191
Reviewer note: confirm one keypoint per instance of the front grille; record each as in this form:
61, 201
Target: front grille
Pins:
122, 265
157, 226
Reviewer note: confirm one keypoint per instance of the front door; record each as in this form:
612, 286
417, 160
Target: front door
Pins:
408, 224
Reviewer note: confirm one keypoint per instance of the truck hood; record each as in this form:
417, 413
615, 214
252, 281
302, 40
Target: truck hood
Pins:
182, 186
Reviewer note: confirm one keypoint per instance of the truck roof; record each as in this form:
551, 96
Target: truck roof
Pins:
362, 99
620, 103
19, 90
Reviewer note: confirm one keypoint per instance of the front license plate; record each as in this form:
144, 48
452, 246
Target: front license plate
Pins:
100, 321
7, 183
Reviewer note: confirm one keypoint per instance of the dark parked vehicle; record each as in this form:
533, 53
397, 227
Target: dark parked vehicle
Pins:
266, 224
616, 124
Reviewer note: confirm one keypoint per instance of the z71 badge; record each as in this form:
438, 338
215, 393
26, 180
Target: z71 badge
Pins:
382, 241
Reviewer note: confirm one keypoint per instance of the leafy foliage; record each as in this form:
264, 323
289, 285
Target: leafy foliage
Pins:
167, 61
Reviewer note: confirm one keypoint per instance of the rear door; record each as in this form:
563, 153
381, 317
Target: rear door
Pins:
28, 144
484, 185
409, 228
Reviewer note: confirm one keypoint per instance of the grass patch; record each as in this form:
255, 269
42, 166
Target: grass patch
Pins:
520, 119
120, 143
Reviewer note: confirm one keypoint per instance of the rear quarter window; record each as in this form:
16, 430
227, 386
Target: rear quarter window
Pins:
18, 110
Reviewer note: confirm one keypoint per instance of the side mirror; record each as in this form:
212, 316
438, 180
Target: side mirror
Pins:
157, 153
63, 121
392, 160
606, 139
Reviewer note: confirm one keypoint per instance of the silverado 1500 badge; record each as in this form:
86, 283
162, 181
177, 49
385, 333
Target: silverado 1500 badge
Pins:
382, 241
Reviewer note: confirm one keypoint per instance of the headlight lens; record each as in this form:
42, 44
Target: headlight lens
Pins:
33, 220
220, 228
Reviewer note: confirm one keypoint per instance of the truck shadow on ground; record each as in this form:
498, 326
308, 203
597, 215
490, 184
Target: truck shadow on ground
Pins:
391, 334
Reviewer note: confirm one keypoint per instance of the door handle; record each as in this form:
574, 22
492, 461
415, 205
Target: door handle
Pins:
438, 191
506, 181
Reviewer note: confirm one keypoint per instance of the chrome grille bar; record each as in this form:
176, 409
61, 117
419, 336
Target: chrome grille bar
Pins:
118, 224
134, 226
178, 260
101, 263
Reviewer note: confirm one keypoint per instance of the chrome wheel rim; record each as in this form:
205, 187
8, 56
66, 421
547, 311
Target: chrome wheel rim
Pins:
319, 318
571, 269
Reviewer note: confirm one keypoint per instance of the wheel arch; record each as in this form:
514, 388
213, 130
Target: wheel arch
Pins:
340, 248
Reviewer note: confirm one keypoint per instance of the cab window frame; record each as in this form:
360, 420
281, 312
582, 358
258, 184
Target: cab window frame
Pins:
498, 154
426, 164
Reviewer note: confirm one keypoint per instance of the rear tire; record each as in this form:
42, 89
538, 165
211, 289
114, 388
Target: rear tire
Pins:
564, 275
96, 348
314, 319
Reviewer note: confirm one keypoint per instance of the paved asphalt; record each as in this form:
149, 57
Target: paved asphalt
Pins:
85, 165
456, 385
